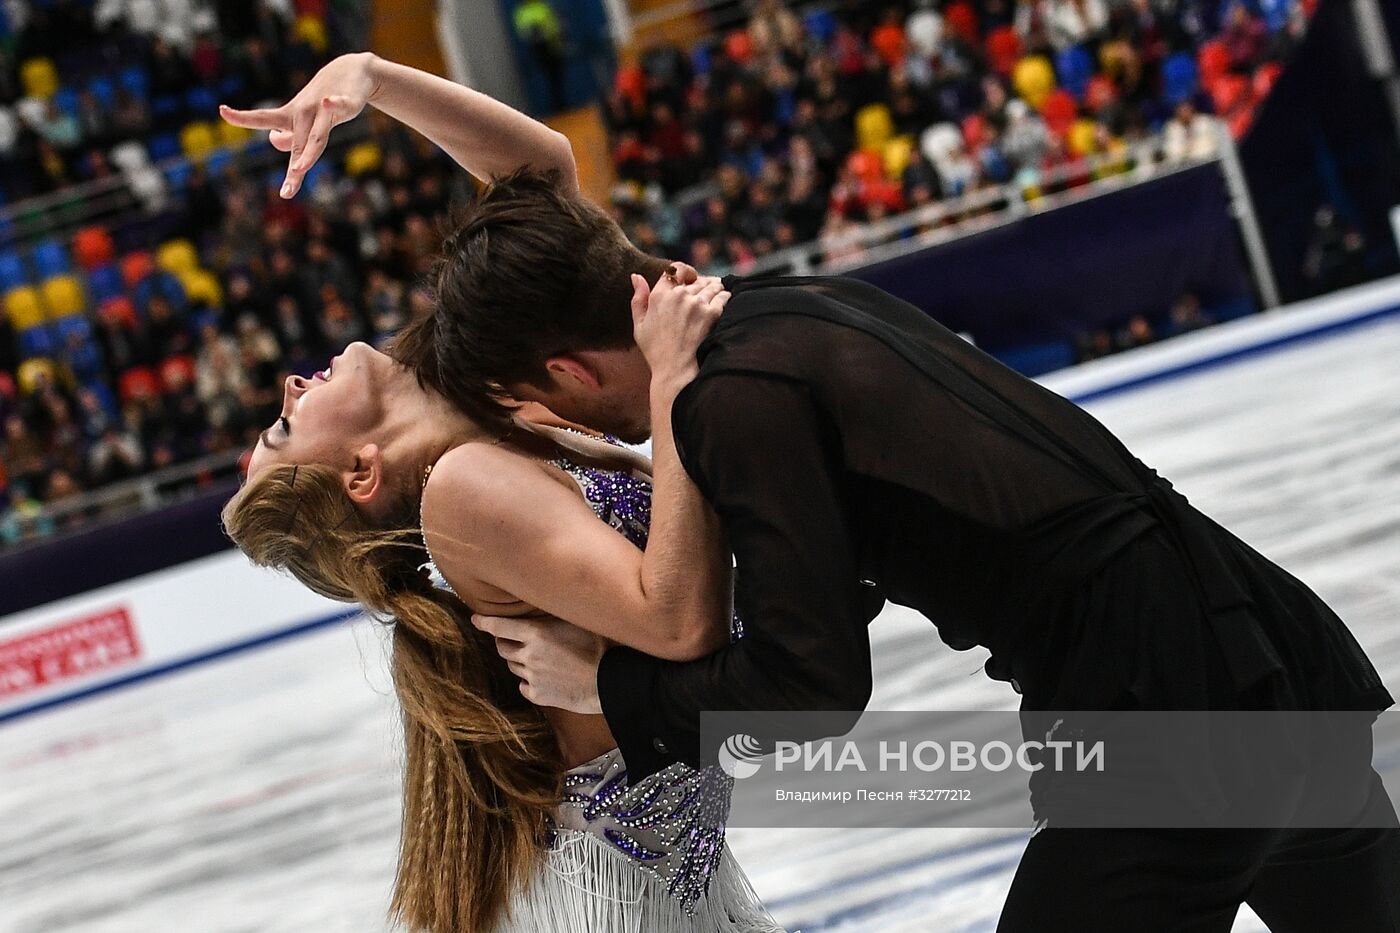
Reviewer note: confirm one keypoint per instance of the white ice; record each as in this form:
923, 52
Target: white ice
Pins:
259, 793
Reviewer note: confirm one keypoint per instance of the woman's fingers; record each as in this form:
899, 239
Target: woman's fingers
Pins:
316, 139
273, 118
281, 140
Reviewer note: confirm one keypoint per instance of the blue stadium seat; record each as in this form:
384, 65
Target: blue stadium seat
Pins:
700, 59
36, 341
230, 87
66, 99
1074, 67
219, 160
821, 24
168, 108
201, 102
178, 174
103, 391
12, 273
136, 81
1179, 77
50, 259
104, 90
160, 283
66, 327
105, 282
164, 146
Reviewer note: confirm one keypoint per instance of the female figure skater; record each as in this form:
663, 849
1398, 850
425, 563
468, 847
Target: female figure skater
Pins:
516, 818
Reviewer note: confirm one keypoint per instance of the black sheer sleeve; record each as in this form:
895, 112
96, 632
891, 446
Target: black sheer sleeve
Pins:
764, 458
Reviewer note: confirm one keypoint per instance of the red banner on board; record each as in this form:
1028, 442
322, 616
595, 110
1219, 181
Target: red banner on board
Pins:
68, 651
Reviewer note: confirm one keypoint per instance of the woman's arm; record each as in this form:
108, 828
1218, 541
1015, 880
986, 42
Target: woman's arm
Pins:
525, 534
483, 135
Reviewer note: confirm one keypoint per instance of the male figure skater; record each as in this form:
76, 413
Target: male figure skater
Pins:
857, 451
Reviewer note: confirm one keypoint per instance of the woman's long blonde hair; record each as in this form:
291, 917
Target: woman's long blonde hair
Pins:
482, 769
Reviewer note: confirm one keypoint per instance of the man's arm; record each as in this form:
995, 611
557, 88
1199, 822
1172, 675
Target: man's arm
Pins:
758, 448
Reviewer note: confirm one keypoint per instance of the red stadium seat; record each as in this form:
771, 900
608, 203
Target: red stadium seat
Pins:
93, 247
176, 370
136, 266
137, 382
1059, 110
1003, 49
1100, 92
120, 309
1213, 59
867, 165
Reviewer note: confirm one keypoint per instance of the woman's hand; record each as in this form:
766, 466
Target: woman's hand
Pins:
670, 320
302, 126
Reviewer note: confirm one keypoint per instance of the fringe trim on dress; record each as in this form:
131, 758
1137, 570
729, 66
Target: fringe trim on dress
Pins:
585, 885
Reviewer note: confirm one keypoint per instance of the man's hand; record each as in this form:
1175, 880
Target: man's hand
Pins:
672, 318
557, 663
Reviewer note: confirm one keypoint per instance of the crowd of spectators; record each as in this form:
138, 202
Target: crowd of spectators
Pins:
793, 128
187, 359
798, 127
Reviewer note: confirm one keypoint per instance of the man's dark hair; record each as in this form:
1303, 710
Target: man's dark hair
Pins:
531, 271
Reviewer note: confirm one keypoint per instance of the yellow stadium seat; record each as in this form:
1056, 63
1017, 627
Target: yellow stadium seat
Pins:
23, 307
365, 157
197, 140
874, 126
63, 295
39, 77
1034, 79
232, 136
30, 372
202, 286
897, 153
1082, 136
313, 31
177, 256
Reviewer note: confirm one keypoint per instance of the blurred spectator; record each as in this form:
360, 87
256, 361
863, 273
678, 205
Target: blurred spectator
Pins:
1336, 253
1189, 135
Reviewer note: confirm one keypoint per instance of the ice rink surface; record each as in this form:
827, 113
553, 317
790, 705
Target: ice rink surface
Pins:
260, 793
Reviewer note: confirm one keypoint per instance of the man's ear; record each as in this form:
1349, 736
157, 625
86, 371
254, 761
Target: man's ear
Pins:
573, 369
363, 481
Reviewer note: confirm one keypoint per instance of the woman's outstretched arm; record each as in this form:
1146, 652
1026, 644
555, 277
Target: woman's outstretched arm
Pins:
502, 534
483, 135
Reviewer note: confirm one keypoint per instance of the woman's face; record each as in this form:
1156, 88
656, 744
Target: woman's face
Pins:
330, 416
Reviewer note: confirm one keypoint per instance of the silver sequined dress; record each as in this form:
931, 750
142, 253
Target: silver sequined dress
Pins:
644, 857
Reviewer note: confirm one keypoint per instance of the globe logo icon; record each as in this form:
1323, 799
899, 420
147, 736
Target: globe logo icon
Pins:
740, 755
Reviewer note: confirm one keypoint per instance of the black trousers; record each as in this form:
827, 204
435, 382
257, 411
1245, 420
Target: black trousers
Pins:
1193, 881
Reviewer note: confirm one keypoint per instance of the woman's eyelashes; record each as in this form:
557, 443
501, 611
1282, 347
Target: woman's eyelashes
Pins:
286, 425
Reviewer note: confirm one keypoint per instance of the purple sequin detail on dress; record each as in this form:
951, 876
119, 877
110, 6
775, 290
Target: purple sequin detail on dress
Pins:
671, 823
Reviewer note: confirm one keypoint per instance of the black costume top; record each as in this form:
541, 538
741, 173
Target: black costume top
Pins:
858, 451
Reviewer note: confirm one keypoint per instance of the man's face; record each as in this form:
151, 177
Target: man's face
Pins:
615, 400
